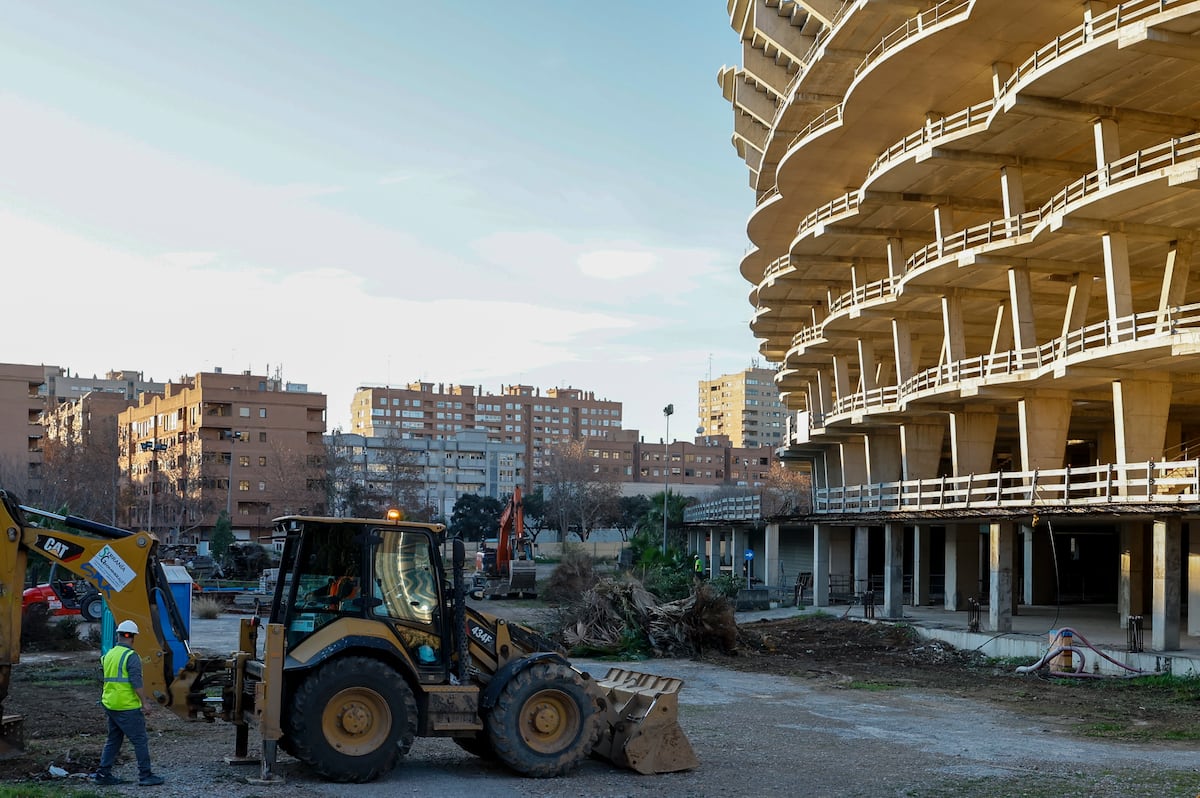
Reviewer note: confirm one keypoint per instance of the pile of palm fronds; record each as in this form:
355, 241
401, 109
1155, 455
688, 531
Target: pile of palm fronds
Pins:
621, 617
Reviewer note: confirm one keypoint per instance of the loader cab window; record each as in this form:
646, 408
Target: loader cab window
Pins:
321, 577
406, 581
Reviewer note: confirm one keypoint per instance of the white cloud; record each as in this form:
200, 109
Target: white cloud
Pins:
616, 264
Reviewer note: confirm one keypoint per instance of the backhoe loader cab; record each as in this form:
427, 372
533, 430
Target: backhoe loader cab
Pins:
383, 579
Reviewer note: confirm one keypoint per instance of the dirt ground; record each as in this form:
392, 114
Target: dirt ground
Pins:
851, 654
57, 692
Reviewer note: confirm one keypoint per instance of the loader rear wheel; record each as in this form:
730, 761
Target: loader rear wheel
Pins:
544, 722
352, 720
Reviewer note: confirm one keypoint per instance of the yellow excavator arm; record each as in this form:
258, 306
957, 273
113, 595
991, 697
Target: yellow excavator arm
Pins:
122, 565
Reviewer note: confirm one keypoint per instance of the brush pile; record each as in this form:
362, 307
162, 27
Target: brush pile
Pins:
622, 618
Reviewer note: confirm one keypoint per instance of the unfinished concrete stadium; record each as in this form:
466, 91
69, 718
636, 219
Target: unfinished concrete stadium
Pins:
970, 263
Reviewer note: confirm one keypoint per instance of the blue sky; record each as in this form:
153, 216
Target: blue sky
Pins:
377, 192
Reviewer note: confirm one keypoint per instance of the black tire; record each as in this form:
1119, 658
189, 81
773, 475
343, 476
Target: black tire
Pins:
544, 722
352, 719
92, 607
480, 745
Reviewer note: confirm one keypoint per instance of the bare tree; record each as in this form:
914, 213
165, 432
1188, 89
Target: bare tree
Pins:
80, 476
297, 480
786, 492
398, 475
185, 504
579, 497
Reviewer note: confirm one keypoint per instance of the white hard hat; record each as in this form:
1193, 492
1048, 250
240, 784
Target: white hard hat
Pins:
127, 627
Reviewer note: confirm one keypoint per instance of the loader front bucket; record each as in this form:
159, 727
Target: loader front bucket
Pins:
640, 723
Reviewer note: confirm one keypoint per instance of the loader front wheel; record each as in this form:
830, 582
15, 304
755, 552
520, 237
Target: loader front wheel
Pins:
544, 722
352, 720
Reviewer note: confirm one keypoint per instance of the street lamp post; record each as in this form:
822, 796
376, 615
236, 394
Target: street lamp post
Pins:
667, 412
233, 436
154, 447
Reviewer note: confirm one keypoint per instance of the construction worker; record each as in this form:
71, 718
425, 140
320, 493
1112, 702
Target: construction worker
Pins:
698, 565
125, 704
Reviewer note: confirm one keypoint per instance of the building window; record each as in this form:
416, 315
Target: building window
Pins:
244, 485
244, 412
262, 437
244, 460
262, 461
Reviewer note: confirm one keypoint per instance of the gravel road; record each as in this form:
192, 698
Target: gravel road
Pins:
759, 735
755, 734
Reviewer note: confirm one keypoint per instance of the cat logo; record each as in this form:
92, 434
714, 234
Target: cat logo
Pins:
60, 550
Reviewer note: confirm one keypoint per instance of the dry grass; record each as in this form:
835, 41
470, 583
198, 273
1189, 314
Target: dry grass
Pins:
206, 608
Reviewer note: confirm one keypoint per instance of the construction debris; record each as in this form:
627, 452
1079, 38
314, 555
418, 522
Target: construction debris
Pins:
621, 617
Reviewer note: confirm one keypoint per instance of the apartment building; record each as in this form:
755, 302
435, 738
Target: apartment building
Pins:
693, 468
245, 444
744, 406
21, 433
970, 262
524, 415
429, 475
60, 385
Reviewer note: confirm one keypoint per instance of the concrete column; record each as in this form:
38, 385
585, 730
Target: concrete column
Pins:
943, 220
854, 462
867, 365
841, 378
1043, 421
1038, 566
921, 448
962, 564
820, 577
1079, 298
954, 345
1175, 281
921, 565
1140, 409
1193, 597
1012, 190
902, 344
1002, 330
1117, 288
895, 258
893, 571
1001, 598
770, 572
1164, 633
1020, 297
862, 567
841, 554
1001, 71
972, 441
1131, 578
1108, 145
825, 391
883, 456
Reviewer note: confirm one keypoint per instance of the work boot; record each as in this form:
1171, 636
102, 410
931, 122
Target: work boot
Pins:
108, 779
150, 781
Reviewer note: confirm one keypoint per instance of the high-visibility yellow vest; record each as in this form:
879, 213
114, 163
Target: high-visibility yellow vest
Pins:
118, 692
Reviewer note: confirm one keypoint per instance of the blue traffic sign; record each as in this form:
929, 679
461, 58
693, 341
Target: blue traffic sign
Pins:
749, 554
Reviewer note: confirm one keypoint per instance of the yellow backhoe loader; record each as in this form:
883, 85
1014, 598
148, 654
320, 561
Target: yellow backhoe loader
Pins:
369, 644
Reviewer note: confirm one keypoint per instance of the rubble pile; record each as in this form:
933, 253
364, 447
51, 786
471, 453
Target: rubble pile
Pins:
621, 617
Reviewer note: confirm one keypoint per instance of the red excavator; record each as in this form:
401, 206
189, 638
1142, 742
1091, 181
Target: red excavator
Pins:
504, 566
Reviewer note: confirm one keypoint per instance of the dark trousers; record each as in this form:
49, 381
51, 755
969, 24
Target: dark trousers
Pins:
124, 723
